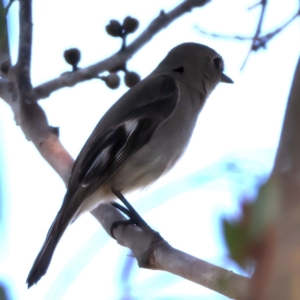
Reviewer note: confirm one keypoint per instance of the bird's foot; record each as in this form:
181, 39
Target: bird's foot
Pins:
134, 217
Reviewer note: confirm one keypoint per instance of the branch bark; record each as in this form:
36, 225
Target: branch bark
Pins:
258, 30
159, 255
22, 68
4, 46
16, 91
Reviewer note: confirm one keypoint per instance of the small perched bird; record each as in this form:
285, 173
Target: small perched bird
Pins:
139, 139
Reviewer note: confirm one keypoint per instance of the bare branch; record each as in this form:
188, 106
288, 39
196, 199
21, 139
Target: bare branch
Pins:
254, 5
257, 41
224, 36
29, 115
266, 38
22, 68
118, 59
159, 255
9, 4
258, 30
34, 124
260, 41
4, 46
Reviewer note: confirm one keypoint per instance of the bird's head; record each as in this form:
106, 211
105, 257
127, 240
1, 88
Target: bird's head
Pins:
197, 65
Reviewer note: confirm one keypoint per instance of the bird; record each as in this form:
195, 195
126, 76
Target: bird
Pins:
139, 139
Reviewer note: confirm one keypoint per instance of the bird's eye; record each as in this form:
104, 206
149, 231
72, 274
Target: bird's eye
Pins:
218, 63
179, 69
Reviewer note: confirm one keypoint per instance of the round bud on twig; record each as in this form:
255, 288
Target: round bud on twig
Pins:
72, 57
112, 80
131, 79
130, 24
114, 28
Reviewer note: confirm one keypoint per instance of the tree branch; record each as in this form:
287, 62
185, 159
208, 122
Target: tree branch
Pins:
159, 255
118, 59
258, 30
29, 115
34, 124
260, 41
22, 68
4, 47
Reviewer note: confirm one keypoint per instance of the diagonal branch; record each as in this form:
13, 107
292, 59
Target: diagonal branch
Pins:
260, 41
258, 30
257, 41
9, 4
118, 59
159, 255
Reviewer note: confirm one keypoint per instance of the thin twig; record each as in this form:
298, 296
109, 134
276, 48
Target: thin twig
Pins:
257, 42
270, 35
258, 30
224, 36
254, 5
262, 39
7, 7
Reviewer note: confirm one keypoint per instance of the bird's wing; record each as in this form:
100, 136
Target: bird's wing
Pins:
103, 155
110, 150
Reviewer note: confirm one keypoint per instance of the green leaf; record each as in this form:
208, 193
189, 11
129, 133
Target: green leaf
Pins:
265, 209
236, 239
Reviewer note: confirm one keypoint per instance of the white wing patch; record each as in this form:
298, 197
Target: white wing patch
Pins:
130, 126
104, 156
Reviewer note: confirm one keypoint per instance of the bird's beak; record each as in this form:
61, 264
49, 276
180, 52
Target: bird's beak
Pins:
225, 78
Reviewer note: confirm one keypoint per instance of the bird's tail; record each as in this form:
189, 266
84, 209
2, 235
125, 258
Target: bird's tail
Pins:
44, 257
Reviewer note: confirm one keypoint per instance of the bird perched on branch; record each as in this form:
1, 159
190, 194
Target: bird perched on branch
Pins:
139, 139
